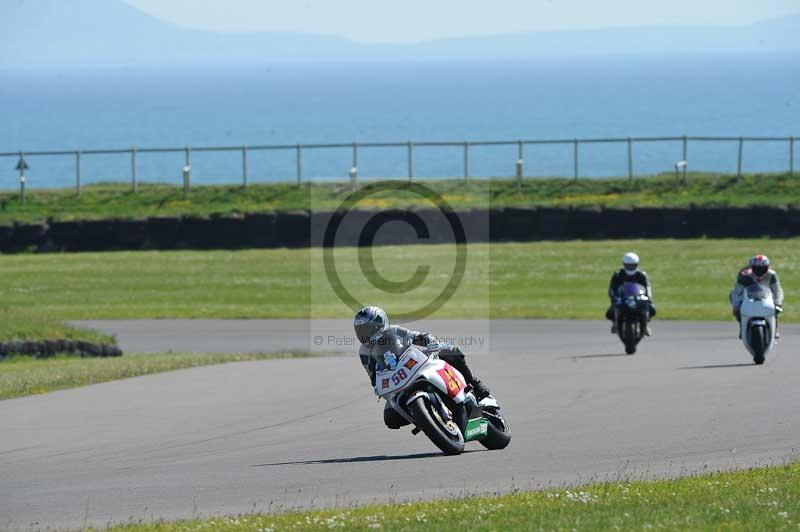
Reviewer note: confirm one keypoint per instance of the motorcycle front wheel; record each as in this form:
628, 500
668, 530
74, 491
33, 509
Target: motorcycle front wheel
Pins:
629, 334
758, 335
444, 435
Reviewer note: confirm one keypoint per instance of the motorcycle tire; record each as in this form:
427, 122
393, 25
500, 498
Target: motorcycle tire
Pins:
498, 434
428, 421
757, 342
629, 336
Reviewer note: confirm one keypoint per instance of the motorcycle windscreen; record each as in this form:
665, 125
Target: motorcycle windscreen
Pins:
632, 290
409, 364
756, 292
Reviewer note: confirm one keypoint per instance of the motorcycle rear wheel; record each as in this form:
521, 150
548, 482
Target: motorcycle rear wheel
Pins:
498, 433
429, 422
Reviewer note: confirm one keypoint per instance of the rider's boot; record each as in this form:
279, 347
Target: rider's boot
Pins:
393, 419
455, 357
480, 390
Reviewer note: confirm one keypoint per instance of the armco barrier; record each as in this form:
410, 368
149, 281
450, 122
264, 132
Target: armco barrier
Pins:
26, 236
792, 223
162, 233
130, 234
301, 229
260, 229
293, 229
64, 236
6, 237
49, 348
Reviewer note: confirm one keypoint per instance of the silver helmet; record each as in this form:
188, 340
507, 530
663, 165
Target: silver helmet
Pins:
369, 323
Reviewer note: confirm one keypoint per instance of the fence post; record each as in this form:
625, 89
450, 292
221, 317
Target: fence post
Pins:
410, 160
791, 156
299, 165
187, 171
134, 183
354, 169
739, 165
244, 166
685, 156
466, 161
575, 153
78, 172
630, 158
21, 177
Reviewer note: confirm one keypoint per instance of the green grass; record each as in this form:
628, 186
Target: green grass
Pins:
757, 499
21, 323
117, 201
22, 376
692, 279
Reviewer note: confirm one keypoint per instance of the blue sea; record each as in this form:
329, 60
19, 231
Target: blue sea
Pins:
290, 103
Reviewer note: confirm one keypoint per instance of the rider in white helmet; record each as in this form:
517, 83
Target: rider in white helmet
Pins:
629, 273
757, 272
382, 344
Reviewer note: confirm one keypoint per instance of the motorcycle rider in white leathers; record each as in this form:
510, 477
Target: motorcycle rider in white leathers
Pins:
757, 272
382, 344
629, 273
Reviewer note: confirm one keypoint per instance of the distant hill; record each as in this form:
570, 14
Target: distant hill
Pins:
59, 33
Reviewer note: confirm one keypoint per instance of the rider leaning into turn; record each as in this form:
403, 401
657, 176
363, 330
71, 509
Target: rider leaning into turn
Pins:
757, 272
382, 344
629, 273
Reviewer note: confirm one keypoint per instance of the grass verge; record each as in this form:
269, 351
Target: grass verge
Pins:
757, 499
20, 323
103, 201
562, 280
22, 376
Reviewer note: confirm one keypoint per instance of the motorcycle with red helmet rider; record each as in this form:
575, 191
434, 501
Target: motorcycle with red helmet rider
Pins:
757, 272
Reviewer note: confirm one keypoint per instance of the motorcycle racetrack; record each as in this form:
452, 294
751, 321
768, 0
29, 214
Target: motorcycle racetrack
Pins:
305, 433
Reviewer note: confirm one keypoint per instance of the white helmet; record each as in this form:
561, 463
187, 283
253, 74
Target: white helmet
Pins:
630, 262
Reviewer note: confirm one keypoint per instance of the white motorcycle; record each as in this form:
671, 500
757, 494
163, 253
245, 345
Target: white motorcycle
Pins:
758, 321
433, 396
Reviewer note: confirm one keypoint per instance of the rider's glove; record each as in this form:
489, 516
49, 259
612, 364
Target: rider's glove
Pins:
425, 339
389, 360
778, 309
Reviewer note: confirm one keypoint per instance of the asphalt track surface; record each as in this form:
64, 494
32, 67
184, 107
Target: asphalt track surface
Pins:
307, 433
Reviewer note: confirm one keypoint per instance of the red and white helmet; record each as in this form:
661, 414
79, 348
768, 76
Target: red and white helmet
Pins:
759, 265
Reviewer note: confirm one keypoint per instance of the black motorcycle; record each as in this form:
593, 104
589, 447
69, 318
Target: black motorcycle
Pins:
632, 308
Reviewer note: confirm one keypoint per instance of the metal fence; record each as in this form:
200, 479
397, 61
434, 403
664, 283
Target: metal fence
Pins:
681, 165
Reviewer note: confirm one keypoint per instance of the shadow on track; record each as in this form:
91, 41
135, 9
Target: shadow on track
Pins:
356, 459
715, 366
607, 355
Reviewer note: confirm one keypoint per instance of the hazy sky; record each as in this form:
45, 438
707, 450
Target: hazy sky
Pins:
416, 20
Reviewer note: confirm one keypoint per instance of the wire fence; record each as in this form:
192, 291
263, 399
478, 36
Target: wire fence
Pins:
355, 149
